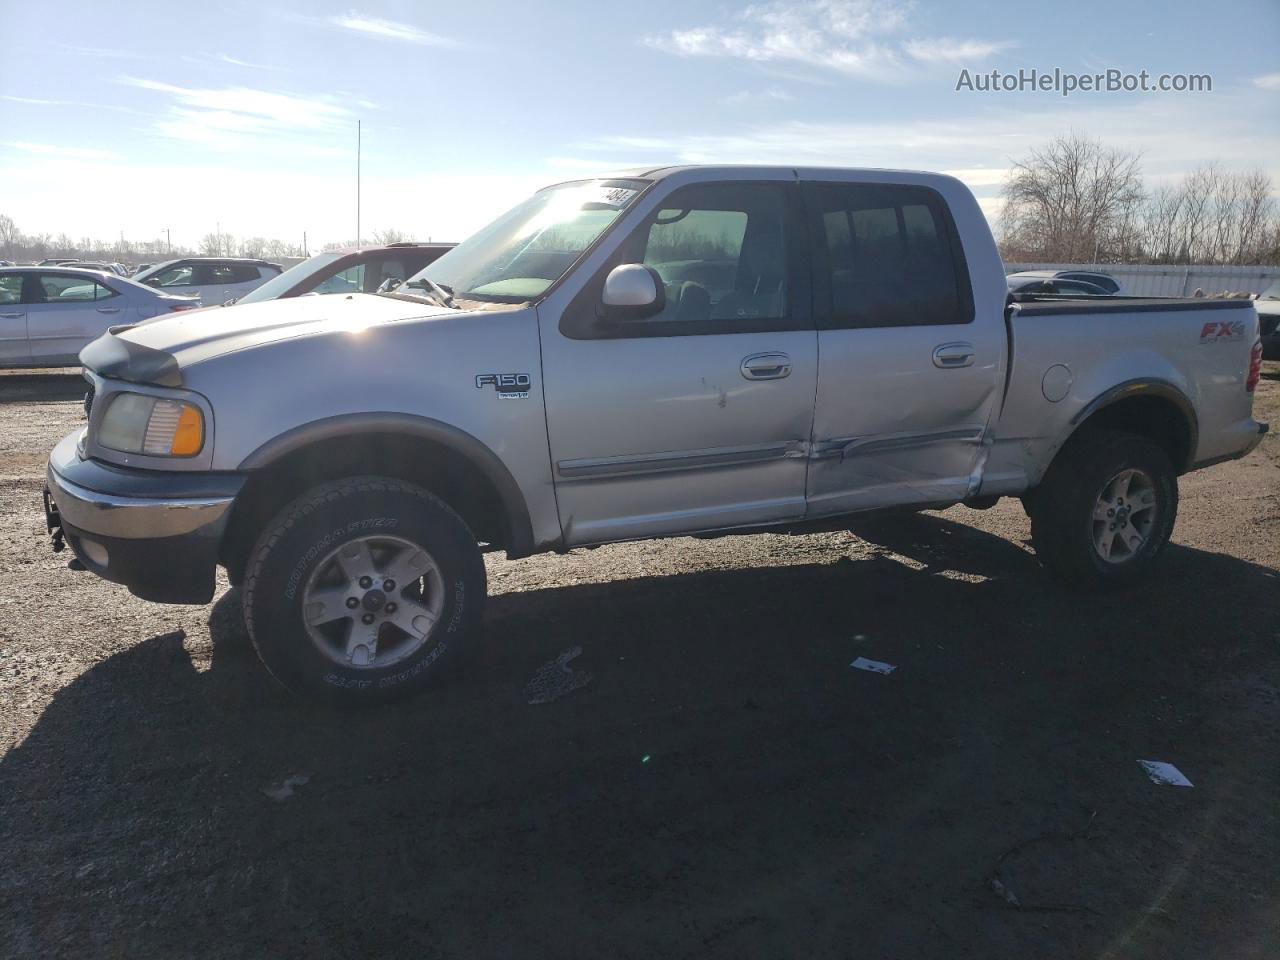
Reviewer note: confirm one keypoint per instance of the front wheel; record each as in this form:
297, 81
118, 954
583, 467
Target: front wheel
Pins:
1105, 510
360, 589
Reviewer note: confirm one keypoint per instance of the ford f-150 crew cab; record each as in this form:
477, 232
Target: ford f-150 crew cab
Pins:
685, 350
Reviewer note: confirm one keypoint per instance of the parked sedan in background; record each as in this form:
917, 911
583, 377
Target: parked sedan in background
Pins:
1022, 283
1268, 307
212, 279
1105, 281
48, 314
353, 270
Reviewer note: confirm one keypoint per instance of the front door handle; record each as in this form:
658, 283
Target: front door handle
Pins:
108, 309
10, 316
766, 366
950, 355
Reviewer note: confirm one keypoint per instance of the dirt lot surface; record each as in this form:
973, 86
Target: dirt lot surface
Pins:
726, 786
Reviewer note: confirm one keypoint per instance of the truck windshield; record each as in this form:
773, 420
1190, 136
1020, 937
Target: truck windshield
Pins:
527, 249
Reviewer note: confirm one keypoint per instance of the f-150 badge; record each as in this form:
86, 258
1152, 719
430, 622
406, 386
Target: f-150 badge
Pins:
509, 386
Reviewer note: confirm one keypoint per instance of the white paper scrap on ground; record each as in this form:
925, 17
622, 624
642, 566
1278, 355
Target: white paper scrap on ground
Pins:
283, 790
1165, 774
555, 678
875, 666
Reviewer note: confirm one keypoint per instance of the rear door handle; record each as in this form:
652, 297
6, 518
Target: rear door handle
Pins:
108, 309
766, 366
10, 316
950, 355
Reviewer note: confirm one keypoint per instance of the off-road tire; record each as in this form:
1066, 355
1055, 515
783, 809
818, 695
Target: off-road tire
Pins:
1061, 508
304, 532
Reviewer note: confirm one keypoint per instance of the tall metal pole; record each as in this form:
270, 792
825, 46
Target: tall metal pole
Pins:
168, 241
358, 132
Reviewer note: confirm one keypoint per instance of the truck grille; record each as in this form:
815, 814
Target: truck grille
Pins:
88, 402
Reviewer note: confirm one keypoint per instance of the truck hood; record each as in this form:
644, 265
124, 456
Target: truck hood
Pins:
156, 352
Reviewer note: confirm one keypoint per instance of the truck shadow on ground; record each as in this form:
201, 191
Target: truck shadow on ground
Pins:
726, 785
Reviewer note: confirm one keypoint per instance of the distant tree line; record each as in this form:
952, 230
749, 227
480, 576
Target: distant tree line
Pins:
19, 246
1078, 201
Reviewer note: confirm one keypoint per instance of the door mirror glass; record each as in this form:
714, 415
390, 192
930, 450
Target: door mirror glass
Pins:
632, 291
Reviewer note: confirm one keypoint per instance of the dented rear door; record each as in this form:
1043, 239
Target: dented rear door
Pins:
908, 373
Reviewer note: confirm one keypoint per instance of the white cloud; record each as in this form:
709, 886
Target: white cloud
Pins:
236, 62
389, 30
38, 101
931, 50
976, 177
1268, 81
756, 96
223, 117
55, 150
977, 147
111, 52
853, 37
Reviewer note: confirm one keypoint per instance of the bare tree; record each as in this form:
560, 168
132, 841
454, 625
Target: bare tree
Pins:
277, 249
1073, 200
390, 235
217, 245
255, 247
1212, 216
9, 234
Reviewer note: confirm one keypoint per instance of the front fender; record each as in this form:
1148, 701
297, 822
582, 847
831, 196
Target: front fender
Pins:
519, 526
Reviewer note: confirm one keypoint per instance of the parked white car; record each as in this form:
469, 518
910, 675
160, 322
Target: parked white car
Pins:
48, 314
213, 279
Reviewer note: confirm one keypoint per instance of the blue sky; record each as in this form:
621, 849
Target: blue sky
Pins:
136, 117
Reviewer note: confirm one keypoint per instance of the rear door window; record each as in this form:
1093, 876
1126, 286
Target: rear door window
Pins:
67, 288
10, 288
885, 256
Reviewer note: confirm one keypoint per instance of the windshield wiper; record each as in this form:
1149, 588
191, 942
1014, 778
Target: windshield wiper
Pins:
435, 291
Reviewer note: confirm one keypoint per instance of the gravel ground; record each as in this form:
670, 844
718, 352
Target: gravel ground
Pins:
726, 786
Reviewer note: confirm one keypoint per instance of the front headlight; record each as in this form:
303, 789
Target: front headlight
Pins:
154, 426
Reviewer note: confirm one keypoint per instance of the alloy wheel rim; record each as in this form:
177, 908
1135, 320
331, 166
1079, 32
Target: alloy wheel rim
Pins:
1124, 516
373, 602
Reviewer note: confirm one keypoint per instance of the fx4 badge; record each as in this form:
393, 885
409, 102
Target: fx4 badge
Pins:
509, 386
1216, 331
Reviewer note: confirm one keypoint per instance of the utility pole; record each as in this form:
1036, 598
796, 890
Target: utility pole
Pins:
358, 133
217, 230
304, 244
168, 242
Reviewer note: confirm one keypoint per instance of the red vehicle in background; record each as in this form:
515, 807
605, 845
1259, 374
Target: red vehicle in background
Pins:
353, 270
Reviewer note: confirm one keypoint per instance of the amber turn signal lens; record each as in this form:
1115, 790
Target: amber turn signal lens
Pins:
189, 437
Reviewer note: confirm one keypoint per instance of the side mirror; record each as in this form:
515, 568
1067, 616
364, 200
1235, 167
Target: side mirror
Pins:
632, 291
152, 281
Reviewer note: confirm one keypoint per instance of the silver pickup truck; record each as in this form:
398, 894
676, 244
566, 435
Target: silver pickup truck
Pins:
685, 350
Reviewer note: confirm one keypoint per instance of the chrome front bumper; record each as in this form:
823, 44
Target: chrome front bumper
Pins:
111, 514
157, 533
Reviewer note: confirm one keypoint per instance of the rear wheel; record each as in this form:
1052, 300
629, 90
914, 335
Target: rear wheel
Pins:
359, 590
1105, 510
